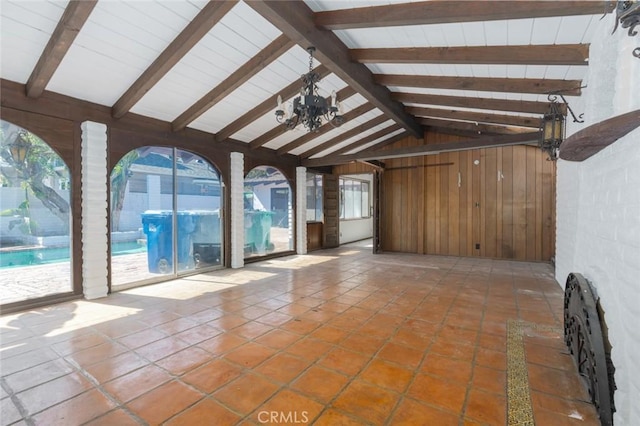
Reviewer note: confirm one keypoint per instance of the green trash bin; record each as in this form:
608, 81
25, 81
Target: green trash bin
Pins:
258, 232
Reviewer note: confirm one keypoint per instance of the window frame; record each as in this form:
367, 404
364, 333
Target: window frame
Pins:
318, 213
349, 184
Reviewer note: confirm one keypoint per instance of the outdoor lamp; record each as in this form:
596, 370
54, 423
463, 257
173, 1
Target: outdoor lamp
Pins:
19, 149
552, 127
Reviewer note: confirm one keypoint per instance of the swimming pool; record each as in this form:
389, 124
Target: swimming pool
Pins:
45, 255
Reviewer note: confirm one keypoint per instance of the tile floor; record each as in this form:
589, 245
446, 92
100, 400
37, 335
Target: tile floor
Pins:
338, 337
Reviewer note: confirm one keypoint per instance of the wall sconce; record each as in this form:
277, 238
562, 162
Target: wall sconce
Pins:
552, 127
628, 16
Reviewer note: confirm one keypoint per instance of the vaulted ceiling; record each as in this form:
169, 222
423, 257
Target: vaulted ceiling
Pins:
481, 69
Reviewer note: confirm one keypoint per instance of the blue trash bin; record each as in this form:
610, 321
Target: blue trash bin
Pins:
187, 222
158, 227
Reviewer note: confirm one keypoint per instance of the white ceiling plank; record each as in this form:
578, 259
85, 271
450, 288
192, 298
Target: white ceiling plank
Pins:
247, 23
258, 127
113, 49
375, 142
576, 29
545, 30
89, 75
26, 29
353, 139
519, 32
474, 34
496, 32
211, 61
338, 131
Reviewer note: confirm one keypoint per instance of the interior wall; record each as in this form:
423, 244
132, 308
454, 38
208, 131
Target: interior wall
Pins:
496, 202
599, 209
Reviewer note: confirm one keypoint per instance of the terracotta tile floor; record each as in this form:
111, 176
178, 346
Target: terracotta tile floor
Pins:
335, 337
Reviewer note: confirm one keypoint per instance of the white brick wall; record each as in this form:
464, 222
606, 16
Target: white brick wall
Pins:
598, 209
237, 210
301, 210
94, 210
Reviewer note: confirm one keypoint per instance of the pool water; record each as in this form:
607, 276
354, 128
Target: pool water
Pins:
43, 256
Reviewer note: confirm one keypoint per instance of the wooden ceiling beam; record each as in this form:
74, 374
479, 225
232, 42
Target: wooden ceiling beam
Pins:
464, 126
296, 20
555, 54
370, 138
281, 128
199, 26
257, 63
73, 18
431, 149
266, 106
346, 135
530, 107
327, 127
478, 117
483, 84
443, 12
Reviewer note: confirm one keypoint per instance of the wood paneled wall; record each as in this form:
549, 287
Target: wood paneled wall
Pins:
501, 207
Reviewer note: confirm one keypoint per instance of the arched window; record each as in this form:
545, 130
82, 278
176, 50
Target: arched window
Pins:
165, 215
268, 218
35, 219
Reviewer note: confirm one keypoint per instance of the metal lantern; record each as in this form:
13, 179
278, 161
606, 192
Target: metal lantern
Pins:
552, 127
19, 149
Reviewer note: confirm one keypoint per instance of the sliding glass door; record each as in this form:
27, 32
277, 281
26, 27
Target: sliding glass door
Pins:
165, 216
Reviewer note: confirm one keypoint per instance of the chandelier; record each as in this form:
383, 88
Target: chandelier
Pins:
309, 108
